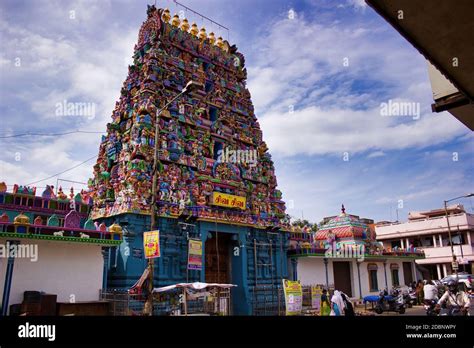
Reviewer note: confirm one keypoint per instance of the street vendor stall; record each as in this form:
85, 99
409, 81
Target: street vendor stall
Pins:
198, 298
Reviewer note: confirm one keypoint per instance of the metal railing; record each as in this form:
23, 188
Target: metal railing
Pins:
268, 300
122, 303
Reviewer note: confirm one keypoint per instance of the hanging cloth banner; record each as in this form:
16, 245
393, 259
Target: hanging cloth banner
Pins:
195, 254
293, 297
151, 244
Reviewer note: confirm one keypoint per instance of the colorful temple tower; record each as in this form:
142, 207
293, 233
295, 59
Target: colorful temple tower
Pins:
216, 178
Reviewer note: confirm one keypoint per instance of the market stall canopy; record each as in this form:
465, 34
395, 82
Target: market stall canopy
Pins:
195, 286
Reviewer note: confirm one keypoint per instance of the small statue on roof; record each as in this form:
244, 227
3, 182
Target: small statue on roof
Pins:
61, 194
150, 10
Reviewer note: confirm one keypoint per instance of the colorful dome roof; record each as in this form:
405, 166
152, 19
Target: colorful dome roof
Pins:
342, 226
115, 228
21, 219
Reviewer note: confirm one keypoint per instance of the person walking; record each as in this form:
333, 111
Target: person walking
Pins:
325, 304
337, 304
348, 306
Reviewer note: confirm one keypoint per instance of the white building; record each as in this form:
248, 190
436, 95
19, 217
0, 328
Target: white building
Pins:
48, 247
72, 271
356, 279
344, 255
428, 231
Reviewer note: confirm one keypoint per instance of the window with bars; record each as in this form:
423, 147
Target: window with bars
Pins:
373, 282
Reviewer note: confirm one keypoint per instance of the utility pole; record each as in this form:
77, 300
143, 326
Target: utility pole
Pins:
454, 263
190, 86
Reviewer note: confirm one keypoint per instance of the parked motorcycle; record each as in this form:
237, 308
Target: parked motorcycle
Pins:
430, 308
409, 295
393, 302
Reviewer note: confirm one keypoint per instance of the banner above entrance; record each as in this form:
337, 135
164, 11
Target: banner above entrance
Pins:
229, 201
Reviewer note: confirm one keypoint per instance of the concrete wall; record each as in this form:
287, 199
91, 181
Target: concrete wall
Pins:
311, 270
62, 268
364, 277
424, 227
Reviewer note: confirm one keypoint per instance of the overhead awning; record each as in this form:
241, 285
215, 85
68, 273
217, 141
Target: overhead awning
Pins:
194, 286
442, 31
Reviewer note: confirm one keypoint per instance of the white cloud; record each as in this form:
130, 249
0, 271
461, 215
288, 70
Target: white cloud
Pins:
376, 154
316, 131
337, 105
357, 4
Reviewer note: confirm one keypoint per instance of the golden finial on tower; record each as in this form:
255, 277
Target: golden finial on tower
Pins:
185, 25
212, 38
175, 21
166, 15
202, 34
194, 29
219, 42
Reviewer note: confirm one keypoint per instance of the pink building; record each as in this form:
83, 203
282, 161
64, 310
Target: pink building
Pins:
428, 230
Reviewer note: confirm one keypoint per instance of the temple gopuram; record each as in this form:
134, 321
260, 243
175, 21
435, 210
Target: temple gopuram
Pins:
216, 178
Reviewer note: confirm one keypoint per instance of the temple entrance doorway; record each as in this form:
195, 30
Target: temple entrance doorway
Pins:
342, 277
218, 258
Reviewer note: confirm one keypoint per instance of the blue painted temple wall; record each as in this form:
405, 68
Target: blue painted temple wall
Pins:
126, 266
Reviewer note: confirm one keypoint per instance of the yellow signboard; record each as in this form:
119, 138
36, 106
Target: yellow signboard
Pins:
293, 297
151, 244
228, 201
316, 292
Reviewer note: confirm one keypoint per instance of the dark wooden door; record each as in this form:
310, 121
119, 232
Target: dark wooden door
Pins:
217, 257
407, 273
342, 277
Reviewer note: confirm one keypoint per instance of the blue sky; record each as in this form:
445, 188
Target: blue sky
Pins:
332, 63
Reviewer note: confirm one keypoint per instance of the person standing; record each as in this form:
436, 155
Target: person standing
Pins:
325, 304
419, 292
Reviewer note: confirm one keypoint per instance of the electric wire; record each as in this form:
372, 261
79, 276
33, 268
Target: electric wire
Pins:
64, 171
48, 134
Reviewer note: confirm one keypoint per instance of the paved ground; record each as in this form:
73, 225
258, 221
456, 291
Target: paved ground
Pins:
415, 310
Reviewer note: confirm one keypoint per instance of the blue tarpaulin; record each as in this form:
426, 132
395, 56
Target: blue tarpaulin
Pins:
375, 298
